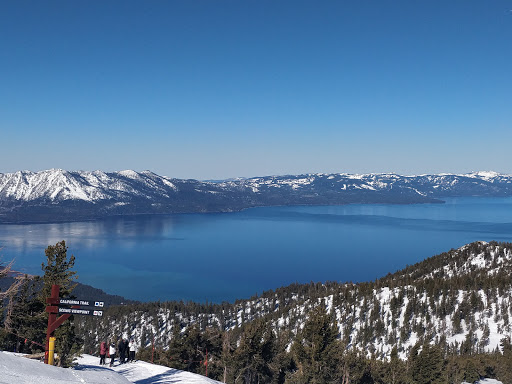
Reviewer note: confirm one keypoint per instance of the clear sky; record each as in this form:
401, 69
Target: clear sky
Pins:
212, 89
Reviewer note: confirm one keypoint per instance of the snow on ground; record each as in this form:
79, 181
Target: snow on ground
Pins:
15, 369
486, 381
141, 372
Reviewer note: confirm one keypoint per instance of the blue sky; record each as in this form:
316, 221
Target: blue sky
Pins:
218, 89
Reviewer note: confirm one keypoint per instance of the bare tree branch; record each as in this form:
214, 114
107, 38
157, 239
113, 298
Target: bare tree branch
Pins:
18, 280
11, 292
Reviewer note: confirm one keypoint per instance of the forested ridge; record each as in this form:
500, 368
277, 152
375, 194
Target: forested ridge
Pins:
453, 308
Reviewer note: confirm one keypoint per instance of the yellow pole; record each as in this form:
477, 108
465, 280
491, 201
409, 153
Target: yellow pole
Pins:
51, 350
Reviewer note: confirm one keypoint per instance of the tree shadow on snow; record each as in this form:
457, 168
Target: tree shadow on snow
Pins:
86, 367
166, 377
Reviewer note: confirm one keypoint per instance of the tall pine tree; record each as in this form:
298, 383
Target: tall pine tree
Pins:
58, 270
253, 358
316, 352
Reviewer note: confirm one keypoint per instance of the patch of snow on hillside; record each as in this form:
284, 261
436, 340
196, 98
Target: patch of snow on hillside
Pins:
297, 183
379, 184
169, 184
130, 174
484, 175
478, 261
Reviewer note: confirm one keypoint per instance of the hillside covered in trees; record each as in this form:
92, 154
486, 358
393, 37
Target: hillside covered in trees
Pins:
444, 320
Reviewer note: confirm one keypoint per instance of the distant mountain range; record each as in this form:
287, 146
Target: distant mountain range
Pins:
59, 195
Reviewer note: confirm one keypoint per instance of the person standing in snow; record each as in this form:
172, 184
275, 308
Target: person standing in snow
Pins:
122, 351
126, 350
112, 353
133, 349
103, 352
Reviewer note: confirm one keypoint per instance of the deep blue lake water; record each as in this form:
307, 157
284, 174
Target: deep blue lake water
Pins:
226, 256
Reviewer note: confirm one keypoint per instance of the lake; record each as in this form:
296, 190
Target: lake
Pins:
225, 256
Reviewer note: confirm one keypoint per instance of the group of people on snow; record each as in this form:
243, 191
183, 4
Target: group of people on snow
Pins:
125, 348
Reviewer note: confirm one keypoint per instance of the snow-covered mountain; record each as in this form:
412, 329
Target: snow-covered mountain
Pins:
56, 195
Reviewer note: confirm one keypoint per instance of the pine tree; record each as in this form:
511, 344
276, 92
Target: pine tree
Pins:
281, 359
504, 373
252, 359
57, 270
316, 352
176, 354
396, 368
26, 321
427, 366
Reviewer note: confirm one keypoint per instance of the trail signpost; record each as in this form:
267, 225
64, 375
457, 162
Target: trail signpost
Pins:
71, 307
79, 311
87, 303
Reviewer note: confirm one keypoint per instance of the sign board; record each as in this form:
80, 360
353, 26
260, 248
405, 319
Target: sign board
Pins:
79, 311
72, 307
85, 303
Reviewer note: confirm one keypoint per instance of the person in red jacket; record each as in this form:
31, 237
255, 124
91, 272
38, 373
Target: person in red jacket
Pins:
103, 352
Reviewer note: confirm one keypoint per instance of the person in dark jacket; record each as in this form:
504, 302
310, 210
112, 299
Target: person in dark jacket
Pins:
126, 350
122, 351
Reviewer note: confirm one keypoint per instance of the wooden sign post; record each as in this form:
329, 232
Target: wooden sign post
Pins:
54, 322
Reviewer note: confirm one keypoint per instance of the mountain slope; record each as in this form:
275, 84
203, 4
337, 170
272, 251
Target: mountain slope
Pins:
58, 195
459, 300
